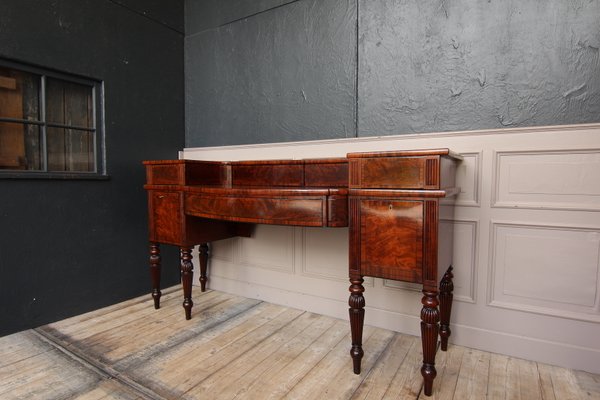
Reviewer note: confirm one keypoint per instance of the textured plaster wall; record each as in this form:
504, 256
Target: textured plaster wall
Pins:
282, 75
276, 70
462, 65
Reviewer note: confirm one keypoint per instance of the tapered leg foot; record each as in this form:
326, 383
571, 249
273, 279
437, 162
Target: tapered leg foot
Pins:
430, 318
187, 271
357, 318
203, 256
155, 273
446, 289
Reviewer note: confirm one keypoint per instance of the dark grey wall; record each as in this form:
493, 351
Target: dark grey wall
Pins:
272, 71
284, 74
463, 65
67, 247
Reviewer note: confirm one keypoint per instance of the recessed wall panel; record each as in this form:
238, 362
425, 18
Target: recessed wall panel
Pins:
326, 253
546, 268
223, 250
548, 179
270, 247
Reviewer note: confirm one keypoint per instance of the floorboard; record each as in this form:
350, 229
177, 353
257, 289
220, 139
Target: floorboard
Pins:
239, 348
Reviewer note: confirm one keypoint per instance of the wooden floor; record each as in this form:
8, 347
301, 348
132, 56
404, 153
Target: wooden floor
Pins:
247, 349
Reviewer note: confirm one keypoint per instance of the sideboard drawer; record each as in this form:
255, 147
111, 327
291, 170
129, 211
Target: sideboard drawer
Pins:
293, 210
164, 174
412, 169
392, 172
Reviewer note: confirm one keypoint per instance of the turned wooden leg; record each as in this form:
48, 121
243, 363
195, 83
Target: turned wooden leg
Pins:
357, 319
187, 271
155, 273
430, 318
446, 289
203, 256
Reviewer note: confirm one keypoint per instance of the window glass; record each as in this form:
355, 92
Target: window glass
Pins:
69, 104
19, 95
48, 123
70, 150
20, 146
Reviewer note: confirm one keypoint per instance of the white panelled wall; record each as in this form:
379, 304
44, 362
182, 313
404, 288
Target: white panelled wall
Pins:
526, 244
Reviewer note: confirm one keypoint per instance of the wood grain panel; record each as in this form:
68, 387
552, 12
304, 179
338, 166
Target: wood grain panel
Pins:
277, 173
164, 174
326, 173
337, 211
166, 219
188, 172
391, 242
12, 144
402, 173
299, 211
208, 173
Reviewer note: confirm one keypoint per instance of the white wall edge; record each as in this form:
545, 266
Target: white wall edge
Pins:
482, 132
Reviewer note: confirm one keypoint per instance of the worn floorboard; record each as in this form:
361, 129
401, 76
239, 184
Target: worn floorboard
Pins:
239, 348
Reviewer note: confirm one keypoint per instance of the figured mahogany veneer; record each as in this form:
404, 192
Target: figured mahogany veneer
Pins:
300, 207
389, 200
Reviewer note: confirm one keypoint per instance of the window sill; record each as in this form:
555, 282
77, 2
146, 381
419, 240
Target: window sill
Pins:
54, 175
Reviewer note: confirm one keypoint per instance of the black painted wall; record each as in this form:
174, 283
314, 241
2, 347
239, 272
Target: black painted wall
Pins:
67, 247
281, 70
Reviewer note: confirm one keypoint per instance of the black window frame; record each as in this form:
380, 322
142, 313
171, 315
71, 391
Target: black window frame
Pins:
98, 129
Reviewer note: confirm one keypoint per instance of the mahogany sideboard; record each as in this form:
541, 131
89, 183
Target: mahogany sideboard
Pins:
389, 200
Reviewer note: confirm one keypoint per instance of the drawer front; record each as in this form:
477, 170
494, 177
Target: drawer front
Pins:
326, 174
165, 216
395, 173
167, 174
391, 239
268, 175
276, 211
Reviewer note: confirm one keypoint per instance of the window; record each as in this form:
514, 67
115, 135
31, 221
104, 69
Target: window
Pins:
49, 124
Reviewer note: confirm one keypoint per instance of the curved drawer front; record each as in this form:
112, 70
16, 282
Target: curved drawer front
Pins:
293, 210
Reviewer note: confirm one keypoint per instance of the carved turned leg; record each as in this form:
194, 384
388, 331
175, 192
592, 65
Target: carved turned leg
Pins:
446, 288
357, 318
203, 256
155, 273
187, 271
430, 318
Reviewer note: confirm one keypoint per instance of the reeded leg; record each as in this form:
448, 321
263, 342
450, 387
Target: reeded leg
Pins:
357, 319
155, 273
446, 289
187, 271
430, 318
203, 256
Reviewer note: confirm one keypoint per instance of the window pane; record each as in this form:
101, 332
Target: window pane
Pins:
70, 150
69, 103
19, 94
20, 146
